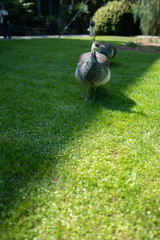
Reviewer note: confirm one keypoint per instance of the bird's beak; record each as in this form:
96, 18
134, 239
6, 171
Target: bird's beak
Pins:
102, 46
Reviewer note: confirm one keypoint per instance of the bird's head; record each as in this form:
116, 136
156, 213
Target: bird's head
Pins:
96, 46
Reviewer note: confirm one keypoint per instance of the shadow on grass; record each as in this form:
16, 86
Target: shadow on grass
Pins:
114, 101
43, 117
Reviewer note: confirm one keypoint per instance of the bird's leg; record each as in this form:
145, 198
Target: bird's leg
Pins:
86, 97
94, 94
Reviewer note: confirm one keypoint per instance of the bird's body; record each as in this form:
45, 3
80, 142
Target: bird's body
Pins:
92, 69
109, 50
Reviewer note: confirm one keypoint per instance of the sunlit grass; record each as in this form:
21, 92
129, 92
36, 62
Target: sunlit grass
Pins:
75, 170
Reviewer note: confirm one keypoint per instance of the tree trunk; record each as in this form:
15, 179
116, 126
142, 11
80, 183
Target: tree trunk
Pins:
39, 6
62, 12
50, 7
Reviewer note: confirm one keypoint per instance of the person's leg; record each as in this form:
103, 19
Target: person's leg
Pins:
4, 31
91, 30
8, 31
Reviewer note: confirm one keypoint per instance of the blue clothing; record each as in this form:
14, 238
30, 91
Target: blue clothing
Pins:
6, 31
91, 25
4, 20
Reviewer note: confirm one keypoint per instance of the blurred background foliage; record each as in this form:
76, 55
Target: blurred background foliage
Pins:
116, 18
112, 17
149, 14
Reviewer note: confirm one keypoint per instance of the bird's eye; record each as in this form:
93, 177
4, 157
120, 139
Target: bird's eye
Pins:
97, 45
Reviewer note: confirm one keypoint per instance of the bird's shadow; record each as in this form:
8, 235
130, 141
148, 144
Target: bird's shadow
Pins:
113, 100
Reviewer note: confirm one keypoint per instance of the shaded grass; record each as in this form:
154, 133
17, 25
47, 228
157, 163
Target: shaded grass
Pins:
75, 170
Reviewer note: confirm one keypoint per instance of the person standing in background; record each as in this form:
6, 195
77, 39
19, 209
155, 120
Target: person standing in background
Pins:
4, 20
91, 25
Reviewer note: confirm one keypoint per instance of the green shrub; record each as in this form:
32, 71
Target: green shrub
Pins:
115, 18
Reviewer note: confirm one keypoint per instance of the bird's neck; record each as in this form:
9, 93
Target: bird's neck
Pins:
93, 55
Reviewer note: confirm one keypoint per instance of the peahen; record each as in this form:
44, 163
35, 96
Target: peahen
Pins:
109, 50
92, 69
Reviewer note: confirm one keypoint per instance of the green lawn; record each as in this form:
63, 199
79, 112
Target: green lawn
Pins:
71, 170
